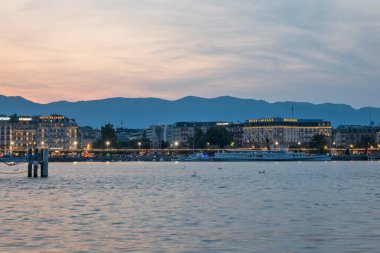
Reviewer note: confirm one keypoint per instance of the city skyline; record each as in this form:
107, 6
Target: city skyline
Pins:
314, 51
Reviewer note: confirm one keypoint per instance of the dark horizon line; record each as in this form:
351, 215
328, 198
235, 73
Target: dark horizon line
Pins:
190, 96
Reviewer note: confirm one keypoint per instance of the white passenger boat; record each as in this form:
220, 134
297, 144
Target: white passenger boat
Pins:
271, 155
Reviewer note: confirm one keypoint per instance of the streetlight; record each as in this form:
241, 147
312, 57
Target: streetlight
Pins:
108, 143
11, 147
276, 143
351, 147
139, 146
176, 144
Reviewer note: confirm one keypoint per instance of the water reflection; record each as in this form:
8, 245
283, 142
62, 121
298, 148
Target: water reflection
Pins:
162, 207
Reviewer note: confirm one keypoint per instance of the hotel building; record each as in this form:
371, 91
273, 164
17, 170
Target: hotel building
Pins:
348, 136
5, 133
283, 131
53, 132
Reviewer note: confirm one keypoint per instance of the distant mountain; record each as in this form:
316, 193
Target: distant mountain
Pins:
142, 112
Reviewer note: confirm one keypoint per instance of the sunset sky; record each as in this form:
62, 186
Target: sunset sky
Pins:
299, 50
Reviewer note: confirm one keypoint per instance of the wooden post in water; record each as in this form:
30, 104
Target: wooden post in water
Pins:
44, 162
35, 163
30, 162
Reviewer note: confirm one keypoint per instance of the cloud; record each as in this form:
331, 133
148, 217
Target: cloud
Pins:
303, 50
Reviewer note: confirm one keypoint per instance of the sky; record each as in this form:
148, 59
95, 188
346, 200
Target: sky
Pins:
280, 50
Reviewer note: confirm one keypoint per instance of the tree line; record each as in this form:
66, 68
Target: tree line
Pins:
214, 137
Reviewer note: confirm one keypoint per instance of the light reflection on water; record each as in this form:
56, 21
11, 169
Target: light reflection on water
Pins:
161, 207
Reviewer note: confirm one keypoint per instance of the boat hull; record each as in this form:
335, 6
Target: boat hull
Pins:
269, 156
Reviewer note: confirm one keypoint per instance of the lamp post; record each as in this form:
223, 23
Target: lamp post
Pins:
176, 144
299, 146
75, 144
108, 144
11, 147
139, 147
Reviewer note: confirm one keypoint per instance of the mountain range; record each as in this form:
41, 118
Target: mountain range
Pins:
142, 112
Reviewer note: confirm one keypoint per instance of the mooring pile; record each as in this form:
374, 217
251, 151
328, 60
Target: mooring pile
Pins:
38, 158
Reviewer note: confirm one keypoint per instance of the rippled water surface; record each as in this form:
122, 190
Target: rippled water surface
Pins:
164, 207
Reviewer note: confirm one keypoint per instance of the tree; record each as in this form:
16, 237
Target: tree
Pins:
198, 140
218, 136
165, 144
318, 142
108, 135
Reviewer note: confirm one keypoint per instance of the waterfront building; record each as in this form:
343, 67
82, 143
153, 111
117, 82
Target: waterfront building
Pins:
87, 136
349, 136
283, 131
5, 134
236, 131
127, 134
23, 132
181, 133
57, 132
156, 134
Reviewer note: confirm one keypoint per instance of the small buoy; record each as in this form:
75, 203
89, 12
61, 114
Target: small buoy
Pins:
261, 171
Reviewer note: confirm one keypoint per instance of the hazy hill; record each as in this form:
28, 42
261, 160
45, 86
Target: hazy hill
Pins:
141, 112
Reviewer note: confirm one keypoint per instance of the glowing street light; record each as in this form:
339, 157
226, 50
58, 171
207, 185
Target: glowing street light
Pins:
108, 144
276, 143
11, 147
139, 146
176, 144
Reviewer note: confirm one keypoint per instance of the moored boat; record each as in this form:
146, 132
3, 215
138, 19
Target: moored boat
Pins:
270, 155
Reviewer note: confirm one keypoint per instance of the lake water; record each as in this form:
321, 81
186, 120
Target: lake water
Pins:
161, 207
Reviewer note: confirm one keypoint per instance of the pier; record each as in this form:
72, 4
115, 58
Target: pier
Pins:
37, 160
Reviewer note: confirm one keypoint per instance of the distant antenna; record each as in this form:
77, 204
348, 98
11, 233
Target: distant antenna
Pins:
371, 123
